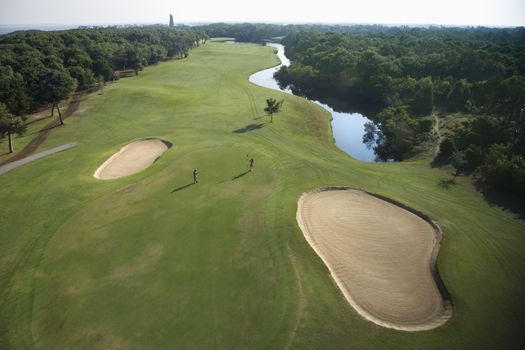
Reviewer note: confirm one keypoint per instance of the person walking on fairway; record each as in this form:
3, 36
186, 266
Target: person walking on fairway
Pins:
195, 179
251, 164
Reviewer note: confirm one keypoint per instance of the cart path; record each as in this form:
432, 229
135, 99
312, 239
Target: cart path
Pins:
18, 163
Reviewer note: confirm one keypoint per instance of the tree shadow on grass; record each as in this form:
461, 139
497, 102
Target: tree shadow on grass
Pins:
447, 183
249, 127
505, 201
38, 119
240, 175
45, 129
182, 187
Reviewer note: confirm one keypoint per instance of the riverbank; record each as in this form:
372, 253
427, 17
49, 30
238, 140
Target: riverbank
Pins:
348, 128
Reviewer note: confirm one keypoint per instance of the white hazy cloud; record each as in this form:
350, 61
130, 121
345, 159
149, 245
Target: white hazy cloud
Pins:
462, 12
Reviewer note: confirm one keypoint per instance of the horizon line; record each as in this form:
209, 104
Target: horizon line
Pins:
392, 24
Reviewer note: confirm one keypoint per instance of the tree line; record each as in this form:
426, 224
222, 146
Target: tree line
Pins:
262, 32
32, 63
398, 76
40, 68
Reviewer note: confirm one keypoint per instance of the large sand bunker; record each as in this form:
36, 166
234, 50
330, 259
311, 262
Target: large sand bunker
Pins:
381, 255
132, 159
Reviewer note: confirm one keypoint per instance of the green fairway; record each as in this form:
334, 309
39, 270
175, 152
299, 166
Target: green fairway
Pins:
151, 262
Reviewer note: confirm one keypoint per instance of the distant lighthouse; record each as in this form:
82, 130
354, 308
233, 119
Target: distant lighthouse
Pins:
172, 25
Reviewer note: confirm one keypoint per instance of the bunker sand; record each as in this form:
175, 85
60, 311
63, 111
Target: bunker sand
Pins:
131, 159
381, 256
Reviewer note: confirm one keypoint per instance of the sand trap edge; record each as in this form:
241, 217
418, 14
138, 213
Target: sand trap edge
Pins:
447, 300
108, 161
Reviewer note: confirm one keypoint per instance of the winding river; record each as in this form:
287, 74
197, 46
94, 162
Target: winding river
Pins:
348, 128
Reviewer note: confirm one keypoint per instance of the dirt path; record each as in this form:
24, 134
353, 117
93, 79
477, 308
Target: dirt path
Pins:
42, 135
381, 255
18, 163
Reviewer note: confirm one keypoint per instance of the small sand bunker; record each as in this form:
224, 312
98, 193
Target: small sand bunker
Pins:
381, 256
132, 159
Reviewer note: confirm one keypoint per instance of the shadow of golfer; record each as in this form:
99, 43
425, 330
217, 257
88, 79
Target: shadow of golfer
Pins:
181, 187
248, 128
240, 175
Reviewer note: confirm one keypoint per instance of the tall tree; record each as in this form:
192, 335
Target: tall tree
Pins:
56, 86
272, 107
9, 124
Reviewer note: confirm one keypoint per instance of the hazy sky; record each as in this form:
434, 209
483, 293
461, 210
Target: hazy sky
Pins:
469, 12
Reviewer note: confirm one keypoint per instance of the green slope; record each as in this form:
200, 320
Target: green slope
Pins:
146, 262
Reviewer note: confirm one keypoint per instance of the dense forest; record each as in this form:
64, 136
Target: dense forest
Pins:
38, 68
263, 32
399, 76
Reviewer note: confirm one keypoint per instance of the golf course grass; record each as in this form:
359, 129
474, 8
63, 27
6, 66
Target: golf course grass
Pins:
152, 261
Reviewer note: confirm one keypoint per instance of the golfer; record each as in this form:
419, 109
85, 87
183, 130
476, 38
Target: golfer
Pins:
195, 179
251, 164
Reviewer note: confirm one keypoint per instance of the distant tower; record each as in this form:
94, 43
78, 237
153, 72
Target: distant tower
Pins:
172, 25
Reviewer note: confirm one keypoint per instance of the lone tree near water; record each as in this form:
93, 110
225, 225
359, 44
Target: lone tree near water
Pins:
10, 125
272, 107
